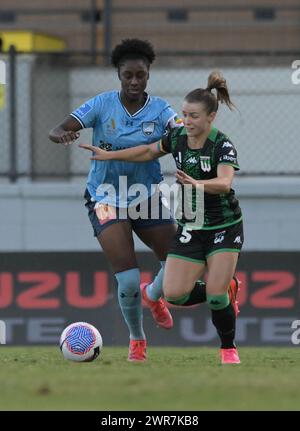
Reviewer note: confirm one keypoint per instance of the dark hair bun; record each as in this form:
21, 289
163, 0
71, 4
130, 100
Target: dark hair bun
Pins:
132, 48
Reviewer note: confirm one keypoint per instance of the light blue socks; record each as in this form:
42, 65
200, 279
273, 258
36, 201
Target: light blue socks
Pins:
155, 289
129, 296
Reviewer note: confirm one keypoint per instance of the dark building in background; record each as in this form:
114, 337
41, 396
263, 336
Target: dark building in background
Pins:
208, 25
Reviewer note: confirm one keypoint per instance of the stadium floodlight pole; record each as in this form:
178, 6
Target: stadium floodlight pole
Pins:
13, 117
107, 30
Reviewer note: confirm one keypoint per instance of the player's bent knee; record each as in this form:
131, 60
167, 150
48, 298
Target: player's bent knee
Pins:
129, 281
215, 289
167, 291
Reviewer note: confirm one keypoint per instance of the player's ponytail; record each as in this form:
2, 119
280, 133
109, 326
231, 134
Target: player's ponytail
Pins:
218, 82
216, 91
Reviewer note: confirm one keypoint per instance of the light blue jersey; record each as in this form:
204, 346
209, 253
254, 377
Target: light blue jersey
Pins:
114, 128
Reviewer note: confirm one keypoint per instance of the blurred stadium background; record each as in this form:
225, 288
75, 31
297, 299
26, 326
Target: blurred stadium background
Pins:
57, 55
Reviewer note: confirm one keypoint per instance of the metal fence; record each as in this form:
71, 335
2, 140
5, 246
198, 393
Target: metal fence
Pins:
42, 89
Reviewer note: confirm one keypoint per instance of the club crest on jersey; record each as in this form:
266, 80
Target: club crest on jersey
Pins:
205, 163
148, 128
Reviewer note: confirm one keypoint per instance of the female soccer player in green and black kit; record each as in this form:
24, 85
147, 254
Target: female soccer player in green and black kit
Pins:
205, 158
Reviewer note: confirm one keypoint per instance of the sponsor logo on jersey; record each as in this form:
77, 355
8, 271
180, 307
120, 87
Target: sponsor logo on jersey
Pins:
84, 109
227, 144
148, 127
105, 146
205, 163
229, 158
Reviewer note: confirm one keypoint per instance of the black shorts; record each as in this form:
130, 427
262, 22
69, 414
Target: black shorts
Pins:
106, 215
198, 245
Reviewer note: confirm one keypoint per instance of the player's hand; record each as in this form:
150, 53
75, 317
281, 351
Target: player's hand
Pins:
68, 137
99, 154
183, 178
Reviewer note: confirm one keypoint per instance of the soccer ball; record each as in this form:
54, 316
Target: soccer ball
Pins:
81, 342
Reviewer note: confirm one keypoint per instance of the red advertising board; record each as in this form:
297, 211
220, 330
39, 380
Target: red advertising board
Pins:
41, 293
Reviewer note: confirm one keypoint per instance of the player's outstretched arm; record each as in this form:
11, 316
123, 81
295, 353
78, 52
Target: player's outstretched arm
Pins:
66, 132
141, 153
220, 184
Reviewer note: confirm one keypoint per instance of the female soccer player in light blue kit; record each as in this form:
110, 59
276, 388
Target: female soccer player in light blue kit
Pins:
121, 119
118, 191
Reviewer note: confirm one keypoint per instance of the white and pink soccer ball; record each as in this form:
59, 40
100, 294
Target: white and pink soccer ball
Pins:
81, 342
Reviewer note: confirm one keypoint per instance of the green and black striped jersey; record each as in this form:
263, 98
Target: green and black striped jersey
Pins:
220, 210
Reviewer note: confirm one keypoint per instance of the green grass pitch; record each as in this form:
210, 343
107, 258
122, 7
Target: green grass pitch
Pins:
38, 378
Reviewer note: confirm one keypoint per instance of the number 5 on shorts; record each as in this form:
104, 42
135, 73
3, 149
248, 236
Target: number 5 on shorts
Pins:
185, 236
